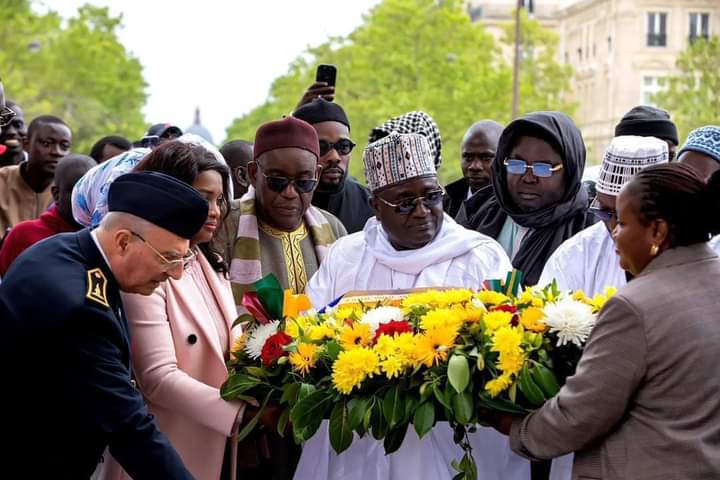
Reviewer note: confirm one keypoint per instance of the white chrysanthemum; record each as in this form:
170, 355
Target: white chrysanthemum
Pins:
571, 320
258, 337
381, 315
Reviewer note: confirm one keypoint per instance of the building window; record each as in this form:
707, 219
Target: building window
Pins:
699, 26
657, 29
651, 85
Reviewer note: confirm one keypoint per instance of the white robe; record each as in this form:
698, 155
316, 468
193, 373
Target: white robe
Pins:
586, 261
367, 261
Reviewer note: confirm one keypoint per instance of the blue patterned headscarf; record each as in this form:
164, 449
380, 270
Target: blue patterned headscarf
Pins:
89, 196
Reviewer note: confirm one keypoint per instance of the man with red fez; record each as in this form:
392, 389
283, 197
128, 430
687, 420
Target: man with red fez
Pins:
273, 228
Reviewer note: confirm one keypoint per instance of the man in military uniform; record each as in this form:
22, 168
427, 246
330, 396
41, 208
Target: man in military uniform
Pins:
64, 344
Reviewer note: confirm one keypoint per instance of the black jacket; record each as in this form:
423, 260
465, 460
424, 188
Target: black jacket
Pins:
350, 204
65, 356
455, 195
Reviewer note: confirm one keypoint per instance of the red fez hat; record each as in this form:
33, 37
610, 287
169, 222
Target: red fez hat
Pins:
290, 132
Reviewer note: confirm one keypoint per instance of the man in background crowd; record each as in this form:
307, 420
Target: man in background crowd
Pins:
25, 188
12, 137
57, 219
237, 154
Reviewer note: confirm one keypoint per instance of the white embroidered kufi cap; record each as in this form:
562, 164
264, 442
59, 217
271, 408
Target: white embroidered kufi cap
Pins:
397, 158
626, 156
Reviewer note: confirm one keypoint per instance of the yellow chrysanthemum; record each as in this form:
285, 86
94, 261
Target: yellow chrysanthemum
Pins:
406, 344
385, 346
352, 367
392, 367
355, 336
580, 296
320, 332
507, 340
511, 362
490, 297
433, 345
443, 318
598, 301
347, 313
472, 314
495, 320
498, 385
530, 319
304, 358
437, 298
294, 325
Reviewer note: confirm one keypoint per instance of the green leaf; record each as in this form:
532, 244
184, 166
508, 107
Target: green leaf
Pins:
332, 350
244, 318
257, 372
393, 406
237, 384
378, 422
340, 431
309, 412
394, 439
358, 408
458, 372
424, 418
463, 407
412, 400
440, 395
290, 393
499, 403
305, 390
283, 422
250, 426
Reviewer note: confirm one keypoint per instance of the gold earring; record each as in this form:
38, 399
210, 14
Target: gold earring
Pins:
654, 250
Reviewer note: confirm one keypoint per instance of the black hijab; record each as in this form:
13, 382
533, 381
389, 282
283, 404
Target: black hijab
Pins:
551, 225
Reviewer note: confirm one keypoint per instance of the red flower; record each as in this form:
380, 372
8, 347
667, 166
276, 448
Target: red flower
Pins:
392, 328
273, 348
504, 308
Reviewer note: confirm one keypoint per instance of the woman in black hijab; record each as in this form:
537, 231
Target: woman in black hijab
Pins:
538, 197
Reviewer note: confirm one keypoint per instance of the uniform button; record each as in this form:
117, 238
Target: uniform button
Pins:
192, 339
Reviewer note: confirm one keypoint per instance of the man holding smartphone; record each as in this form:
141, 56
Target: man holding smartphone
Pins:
336, 192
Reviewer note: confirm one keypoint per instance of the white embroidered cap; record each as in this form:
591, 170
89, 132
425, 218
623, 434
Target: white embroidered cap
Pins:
397, 158
626, 156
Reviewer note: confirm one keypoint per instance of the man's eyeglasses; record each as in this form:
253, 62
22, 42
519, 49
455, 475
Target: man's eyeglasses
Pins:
539, 169
343, 146
6, 116
279, 184
603, 214
406, 207
168, 264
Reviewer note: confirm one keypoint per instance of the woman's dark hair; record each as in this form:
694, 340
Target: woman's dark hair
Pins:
185, 161
116, 141
677, 194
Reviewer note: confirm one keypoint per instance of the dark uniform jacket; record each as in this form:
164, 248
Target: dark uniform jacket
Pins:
65, 356
350, 204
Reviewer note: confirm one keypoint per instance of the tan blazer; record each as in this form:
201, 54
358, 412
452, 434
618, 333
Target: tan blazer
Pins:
179, 366
645, 401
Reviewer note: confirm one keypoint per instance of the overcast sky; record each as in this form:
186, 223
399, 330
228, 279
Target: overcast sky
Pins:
219, 55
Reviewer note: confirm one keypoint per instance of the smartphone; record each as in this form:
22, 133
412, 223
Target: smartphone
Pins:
326, 73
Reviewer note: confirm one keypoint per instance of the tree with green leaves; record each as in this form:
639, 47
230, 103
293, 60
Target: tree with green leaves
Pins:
77, 70
693, 94
409, 55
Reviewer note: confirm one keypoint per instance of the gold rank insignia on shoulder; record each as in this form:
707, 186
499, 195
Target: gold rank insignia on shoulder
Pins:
97, 287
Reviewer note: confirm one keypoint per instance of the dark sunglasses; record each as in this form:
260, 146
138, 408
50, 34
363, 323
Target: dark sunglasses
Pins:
279, 184
539, 169
406, 207
603, 214
6, 116
343, 146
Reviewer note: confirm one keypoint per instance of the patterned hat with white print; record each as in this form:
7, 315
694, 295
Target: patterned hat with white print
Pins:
626, 156
397, 158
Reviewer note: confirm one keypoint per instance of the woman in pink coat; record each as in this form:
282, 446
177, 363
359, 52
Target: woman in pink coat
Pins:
182, 335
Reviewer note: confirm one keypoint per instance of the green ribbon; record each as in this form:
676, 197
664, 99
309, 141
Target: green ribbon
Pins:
270, 294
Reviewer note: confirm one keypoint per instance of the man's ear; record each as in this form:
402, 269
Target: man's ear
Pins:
55, 194
240, 175
121, 240
318, 170
252, 170
374, 205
